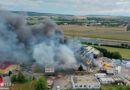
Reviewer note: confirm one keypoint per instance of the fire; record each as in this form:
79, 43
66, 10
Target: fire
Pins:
101, 58
105, 64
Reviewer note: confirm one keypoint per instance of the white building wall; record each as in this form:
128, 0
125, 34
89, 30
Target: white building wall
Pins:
84, 86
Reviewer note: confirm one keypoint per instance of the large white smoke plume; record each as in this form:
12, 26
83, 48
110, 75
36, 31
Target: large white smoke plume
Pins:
43, 42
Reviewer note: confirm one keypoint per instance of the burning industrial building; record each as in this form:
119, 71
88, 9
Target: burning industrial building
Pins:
43, 43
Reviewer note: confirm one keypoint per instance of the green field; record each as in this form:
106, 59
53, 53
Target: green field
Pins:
23, 86
112, 33
114, 87
122, 51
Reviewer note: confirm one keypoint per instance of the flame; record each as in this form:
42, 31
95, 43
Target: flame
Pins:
105, 64
101, 58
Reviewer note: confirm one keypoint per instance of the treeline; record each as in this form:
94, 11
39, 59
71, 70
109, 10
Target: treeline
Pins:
90, 43
126, 46
106, 53
20, 78
128, 28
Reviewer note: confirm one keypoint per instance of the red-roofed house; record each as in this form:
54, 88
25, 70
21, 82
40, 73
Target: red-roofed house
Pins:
6, 67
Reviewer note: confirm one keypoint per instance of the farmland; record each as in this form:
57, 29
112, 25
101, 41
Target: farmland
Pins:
102, 27
113, 33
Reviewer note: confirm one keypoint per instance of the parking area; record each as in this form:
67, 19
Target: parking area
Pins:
64, 83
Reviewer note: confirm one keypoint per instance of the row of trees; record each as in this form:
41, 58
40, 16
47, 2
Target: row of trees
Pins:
18, 78
106, 53
127, 46
128, 28
40, 83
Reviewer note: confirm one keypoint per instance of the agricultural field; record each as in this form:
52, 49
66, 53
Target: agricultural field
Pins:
112, 33
122, 51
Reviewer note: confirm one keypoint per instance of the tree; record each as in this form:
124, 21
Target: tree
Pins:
13, 78
80, 68
21, 77
41, 84
127, 88
10, 73
117, 55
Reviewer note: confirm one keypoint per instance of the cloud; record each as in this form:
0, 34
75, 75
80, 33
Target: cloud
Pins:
123, 3
76, 7
116, 11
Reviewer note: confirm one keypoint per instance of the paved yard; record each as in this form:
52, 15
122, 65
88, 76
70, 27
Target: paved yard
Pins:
63, 82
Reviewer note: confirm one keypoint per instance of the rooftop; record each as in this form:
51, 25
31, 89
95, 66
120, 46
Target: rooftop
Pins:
85, 79
106, 79
5, 65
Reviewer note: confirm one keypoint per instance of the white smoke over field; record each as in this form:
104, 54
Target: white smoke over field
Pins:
42, 42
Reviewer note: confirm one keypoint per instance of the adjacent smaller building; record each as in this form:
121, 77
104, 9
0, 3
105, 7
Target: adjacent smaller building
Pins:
100, 75
111, 71
85, 82
106, 80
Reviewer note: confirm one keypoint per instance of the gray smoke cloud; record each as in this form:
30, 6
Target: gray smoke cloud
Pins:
43, 42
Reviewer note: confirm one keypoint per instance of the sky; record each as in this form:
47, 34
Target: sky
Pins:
74, 7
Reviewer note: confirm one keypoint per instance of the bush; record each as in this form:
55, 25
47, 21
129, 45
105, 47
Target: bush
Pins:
41, 84
21, 77
10, 73
80, 68
13, 78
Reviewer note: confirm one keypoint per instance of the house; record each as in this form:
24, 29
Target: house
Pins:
6, 67
100, 75
85, 82
111, 71
49, 69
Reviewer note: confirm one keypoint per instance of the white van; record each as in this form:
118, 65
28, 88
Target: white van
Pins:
58, 88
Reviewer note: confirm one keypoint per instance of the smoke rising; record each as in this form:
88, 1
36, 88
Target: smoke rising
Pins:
43, 42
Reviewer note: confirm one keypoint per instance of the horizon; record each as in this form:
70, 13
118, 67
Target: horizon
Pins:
72, 14
73, 7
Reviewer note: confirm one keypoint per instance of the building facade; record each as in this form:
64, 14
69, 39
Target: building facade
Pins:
49, 69
85, 82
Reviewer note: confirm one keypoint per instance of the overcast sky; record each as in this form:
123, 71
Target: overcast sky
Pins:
75, 7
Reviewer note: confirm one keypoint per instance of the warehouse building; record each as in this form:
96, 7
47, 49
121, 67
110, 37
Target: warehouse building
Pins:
85, 82
6, 67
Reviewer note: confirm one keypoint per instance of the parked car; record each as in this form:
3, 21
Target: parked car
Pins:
58, 88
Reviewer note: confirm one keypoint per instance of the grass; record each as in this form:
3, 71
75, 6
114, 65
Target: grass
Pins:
23, 86
109, 87
112, 33
122, 51
98, 36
